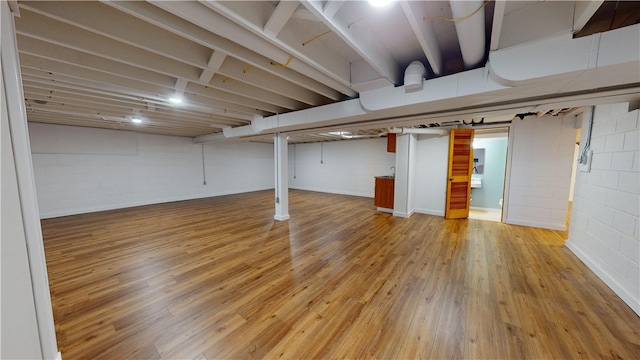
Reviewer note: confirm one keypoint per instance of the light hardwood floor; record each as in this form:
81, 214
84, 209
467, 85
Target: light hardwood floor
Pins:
218, 278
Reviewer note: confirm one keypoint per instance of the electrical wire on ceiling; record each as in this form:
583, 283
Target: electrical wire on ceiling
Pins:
329, 31
316, 37
458, 18
283, 65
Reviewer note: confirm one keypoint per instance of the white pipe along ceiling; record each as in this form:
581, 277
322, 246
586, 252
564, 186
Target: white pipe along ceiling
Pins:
470, 30
248, 69
419, 131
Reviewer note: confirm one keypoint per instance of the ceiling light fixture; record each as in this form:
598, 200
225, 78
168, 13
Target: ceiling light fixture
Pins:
380, 3
136, 120
175, 100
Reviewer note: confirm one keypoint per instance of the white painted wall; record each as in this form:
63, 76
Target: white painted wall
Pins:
431, 174
81, 170
540, 176
605, 215
348, 167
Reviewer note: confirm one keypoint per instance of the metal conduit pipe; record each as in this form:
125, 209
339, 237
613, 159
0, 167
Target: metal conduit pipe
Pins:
405, 130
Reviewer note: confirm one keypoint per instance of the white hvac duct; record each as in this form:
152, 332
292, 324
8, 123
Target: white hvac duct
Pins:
413, 76
469, 24
422, 131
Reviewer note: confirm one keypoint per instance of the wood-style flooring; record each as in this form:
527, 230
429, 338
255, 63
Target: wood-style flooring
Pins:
218, 278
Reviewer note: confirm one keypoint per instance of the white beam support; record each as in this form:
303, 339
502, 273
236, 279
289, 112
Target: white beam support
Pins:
281, 162
355, 37
215, 61
583, 12
127, 84
224, 22
197, 32
43, 28
121, 86
332, 7
424, 32
181, 84
304, 14
100, 19
279, 17
496, 29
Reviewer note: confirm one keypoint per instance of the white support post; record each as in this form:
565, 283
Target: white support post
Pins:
406, 149
25, 283
280, 155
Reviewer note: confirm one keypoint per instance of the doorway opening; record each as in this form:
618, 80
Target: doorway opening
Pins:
488, 173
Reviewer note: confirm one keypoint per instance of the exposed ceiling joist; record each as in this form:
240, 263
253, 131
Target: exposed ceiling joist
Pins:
496, 28
425, 34
279, 17
46, 29
214, 63
97, 18
197, 32
332, 7
242, 62
251, 36
359, 39
583, 12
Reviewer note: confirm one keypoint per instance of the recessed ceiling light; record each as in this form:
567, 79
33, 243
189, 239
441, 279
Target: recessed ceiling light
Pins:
175, 100
136, 120
380, 3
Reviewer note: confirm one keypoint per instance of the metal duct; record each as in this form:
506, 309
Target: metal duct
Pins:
413, 76
469, 22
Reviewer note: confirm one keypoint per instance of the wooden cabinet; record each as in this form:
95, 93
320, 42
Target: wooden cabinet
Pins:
391, 142
384, 192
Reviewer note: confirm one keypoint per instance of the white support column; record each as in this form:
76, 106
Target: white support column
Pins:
28, 330
406, 153
280, 156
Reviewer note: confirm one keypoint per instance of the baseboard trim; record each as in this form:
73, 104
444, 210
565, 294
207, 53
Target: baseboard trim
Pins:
430, 212
543, 225
616, 287
54, 214
281, 217
403, 214
328, 191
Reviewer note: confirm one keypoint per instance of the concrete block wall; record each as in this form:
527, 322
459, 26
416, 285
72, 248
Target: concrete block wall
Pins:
605, 216
540, 175
341, 167
79, 170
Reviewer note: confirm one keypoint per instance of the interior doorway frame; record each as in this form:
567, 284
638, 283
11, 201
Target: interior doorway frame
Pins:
508, 160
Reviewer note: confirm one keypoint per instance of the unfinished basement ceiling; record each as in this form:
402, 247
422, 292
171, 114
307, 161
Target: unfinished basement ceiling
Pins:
100, 64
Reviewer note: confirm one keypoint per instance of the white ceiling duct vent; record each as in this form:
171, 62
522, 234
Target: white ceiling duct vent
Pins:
413, 76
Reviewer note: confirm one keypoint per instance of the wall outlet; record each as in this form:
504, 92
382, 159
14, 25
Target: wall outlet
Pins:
584, 163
